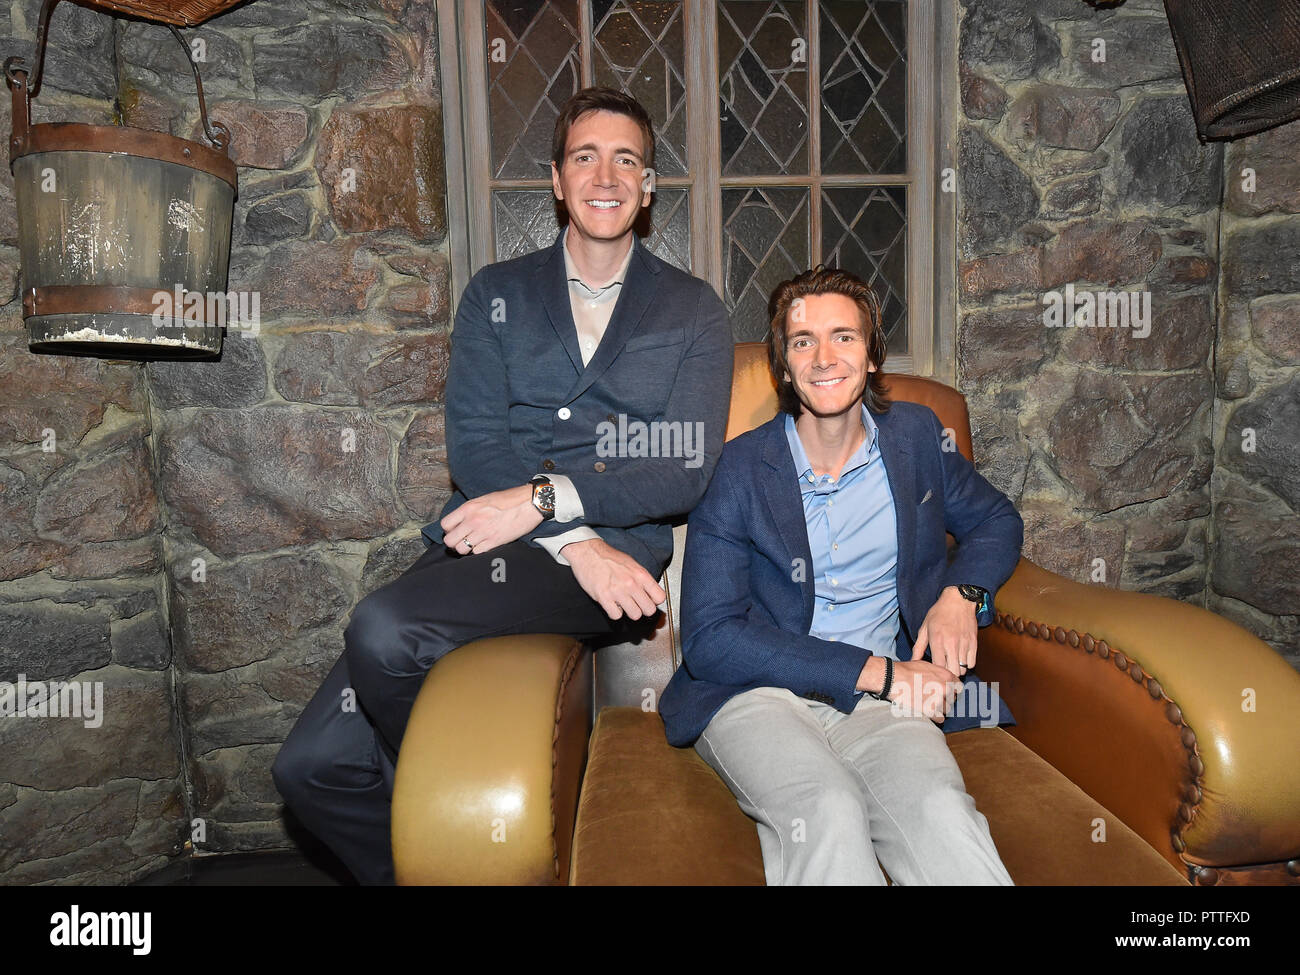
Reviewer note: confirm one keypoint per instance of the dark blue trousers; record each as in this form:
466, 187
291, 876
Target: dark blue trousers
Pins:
335, 770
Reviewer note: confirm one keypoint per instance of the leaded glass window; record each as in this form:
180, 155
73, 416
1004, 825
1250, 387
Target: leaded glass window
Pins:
789, 133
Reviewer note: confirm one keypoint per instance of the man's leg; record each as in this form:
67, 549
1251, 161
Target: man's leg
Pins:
335, 770
924, 825
771, 750
336, 780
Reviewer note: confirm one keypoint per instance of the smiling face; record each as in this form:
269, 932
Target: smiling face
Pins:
600, 182
826, 352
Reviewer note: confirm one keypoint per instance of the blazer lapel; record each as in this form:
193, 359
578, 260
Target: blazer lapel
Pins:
900, 470
785, 509
633, 300
554, 288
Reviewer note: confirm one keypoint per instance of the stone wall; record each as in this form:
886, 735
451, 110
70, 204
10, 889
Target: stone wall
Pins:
1256, 484
200, 532
1079, 165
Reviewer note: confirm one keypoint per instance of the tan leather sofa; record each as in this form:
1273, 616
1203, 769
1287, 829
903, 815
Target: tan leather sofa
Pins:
1133, 762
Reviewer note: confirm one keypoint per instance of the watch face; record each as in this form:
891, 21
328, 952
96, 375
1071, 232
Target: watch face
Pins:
544, 497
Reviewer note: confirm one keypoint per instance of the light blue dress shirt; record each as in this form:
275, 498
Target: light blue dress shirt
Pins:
853, 535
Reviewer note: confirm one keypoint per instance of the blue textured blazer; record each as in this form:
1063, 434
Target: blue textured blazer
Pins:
745, 618
519, 401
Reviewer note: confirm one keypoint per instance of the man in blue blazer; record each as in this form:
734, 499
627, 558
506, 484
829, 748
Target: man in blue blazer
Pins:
586, 406
816, 578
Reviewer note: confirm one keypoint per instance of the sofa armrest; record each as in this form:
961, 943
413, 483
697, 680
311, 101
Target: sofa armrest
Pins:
1139, 700
488, 774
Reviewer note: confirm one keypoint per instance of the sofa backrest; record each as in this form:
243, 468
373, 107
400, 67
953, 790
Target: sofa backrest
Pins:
635, 673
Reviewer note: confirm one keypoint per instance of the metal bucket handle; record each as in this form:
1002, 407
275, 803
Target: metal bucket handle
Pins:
16, 72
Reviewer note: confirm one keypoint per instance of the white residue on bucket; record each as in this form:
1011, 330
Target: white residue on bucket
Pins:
184, 215
95, 335
82, 237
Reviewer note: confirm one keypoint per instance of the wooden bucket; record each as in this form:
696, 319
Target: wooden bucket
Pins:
114, 225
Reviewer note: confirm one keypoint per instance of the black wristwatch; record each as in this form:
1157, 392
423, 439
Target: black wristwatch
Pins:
978, 596
544, 496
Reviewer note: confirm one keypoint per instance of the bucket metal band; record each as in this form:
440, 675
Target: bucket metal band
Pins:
88, 299
80, 137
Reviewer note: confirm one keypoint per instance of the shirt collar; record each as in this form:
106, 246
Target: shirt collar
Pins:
859, 457
571, 272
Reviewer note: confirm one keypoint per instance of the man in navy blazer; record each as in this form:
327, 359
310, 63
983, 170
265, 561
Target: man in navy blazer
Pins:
803, 680
586, 406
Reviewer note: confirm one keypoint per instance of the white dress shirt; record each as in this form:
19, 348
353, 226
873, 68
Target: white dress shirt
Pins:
592, 308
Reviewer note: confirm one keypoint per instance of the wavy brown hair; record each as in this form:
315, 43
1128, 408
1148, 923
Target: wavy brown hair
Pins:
822, 280
601, 100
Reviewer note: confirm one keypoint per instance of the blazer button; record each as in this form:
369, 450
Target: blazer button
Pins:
548, 465
599, 467
563, 413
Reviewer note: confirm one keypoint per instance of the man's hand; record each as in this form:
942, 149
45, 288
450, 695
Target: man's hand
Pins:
950, 631
919, 687
499, 518
614, 579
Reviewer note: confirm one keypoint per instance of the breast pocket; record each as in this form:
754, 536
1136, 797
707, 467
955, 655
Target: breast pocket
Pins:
653, 340
642, 376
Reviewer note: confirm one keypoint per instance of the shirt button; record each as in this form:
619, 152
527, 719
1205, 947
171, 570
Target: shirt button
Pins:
830, 504
548, 465
599, 467
564, 413
830, 606
835, 546
832, 638
835, 582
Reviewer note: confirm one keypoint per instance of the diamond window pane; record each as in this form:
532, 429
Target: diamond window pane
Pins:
864, 230
863, 81
670, 227
763, 87
533, 66
522, 221
638, 47
764, 242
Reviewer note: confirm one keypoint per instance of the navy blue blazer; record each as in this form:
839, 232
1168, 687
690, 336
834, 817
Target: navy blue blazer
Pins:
519, 401
745, 618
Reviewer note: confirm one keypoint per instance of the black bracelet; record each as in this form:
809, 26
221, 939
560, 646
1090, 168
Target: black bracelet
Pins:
889, 680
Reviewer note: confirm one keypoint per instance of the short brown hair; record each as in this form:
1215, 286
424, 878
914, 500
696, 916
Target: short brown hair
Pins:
601, 100
822, 280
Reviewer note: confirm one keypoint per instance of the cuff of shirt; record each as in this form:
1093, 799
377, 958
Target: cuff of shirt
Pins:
554, 543
568, 505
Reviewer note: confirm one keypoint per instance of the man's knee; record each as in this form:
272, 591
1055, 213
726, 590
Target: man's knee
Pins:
377, 644
835, 811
